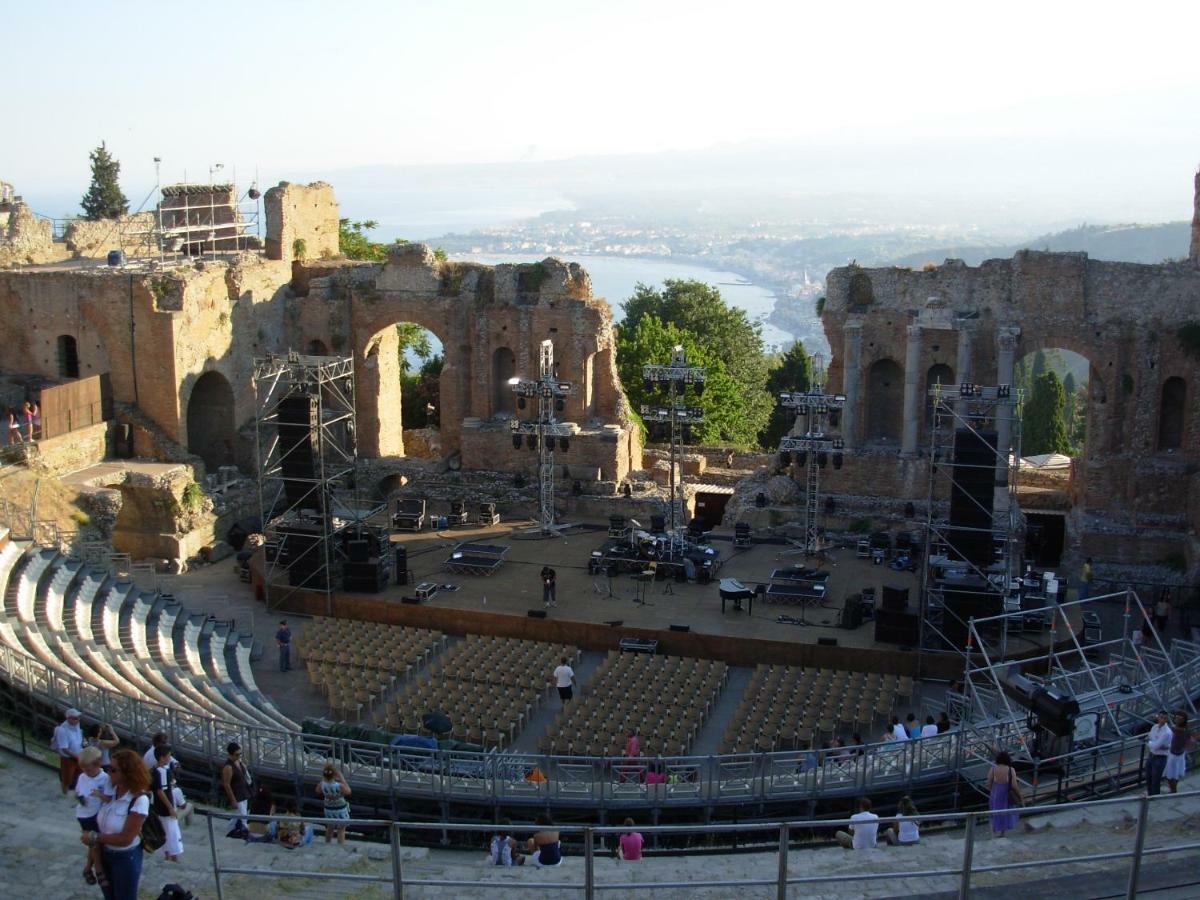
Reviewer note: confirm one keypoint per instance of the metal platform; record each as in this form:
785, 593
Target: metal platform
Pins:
795, 593
799, 575
475, 559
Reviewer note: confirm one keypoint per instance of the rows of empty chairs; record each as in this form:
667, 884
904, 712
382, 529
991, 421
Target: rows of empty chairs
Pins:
88, 623
488, 686
355, 664
795, 708
666, 698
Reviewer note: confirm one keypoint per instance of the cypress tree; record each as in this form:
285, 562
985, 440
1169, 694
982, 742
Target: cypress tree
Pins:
104, 199
1044, 428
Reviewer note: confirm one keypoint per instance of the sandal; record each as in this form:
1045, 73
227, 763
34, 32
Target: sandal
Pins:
89, 876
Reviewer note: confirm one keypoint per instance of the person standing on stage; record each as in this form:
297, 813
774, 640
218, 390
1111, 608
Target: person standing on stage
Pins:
283, 638
549, 592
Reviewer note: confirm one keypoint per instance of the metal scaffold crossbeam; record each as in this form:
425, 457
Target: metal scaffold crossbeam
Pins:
544, 432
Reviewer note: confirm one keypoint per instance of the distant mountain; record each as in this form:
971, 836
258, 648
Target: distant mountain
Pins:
1117, 243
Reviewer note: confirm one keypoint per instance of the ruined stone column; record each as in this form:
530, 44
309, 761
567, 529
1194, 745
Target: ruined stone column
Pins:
1006, 357
1194, 254
963, 367
851, 361
912, 384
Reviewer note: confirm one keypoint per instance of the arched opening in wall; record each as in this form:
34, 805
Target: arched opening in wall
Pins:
317, 348
885, 401
1172, 413
938, 374
211, 427
66, 354
1055, 388
504, 368
408, 358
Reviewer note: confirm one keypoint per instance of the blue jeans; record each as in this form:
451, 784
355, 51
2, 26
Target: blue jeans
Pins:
123, 869
285, 653
1154, 773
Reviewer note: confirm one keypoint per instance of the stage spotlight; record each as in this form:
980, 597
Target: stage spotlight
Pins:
564, 444
801, 457
520, 403
648, 386
830, 506
785, 458
835, 416
687, 434
516, 442
531, 441
910, 511
822, 459
699, 388
837, 460
577, 489
760, 500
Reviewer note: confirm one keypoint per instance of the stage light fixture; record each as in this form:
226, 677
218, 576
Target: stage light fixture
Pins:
699, 388
837, 460
531, 441
801, 457
785, 458
516, 441
648, 385
822, 459
520, 403
834, 418
559, 405
564, 444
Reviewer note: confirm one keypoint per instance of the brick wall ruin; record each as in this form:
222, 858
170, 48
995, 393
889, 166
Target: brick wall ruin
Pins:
302, 221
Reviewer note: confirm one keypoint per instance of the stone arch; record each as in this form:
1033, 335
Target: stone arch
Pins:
1172, 412
316, 347
210, 421
504, 367
939, 373
66, 354
885, 401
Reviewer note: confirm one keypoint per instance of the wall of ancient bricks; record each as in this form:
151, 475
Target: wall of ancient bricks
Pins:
301, 212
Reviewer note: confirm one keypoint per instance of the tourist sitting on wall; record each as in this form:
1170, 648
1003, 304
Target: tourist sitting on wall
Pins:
290, 832
545, 847
906, 830
503, 848
930, 728
261, 804
943, 723
864, 828
629, 847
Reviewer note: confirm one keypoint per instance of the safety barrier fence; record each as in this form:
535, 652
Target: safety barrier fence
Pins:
780, 837
494, 777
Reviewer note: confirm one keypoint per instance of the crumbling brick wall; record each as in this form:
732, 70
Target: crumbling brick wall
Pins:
302, 221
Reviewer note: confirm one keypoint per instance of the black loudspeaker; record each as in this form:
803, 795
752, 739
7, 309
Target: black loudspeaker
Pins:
358, 551
894, 599
964, 602
615, 623
897, 627
826, 642
852, 613
364, 577
971, 495
681, 627
401, 564
415, 600
658, 524
296, 416
536, 614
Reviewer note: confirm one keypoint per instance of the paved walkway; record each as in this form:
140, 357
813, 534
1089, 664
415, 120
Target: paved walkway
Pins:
40, 856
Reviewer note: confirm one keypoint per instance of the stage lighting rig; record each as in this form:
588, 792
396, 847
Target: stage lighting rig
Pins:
541, 433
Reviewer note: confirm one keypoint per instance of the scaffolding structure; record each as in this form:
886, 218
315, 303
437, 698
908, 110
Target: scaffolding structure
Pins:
818, 415
541, 434
679, 417
975, 416
305, 436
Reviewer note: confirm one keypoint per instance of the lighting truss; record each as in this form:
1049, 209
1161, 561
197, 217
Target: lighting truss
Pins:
544, 432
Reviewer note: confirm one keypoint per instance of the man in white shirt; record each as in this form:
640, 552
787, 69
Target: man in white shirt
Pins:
929, 729
1158, 745
898, 731
68, 742
863, 832
564, 678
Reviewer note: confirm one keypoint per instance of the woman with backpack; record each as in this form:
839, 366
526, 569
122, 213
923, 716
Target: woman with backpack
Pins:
120, 820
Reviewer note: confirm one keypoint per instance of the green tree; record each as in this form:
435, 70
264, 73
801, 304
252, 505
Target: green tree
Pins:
420, 395
415, 338
719, 331
1039, 365
1070, 404
104, 199
353, 242
1043, 424
790, 371
651, 342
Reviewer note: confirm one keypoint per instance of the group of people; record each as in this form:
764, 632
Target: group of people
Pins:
544, 848
24, 423
911, 730
1167, 746
863, 831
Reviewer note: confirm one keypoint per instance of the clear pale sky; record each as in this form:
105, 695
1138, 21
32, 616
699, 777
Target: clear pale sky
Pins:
304, 87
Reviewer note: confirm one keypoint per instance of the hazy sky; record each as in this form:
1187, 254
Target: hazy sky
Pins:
311, 87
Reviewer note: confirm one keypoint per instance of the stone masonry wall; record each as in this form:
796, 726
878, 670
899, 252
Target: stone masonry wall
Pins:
24, 238
1194, 253
129, 233
299, 212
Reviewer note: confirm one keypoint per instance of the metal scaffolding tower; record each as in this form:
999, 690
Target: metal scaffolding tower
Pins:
974, 554
679, 417
305, 436
819, 415
542, 433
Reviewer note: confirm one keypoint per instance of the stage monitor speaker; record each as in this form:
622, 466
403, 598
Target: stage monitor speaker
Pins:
414, 600
681, 628
536, 614
826, 642
894, 599
615, 623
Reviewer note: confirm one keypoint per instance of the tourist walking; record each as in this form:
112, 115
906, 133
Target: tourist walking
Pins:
1162, 614
14, 428
92, 789
1085, 579
27, 420
150, 757
1158, 746
1181, 738
549, 587
333, 791
1004, 794
237, 784
162, 780
68, 742
104, 739
864, 828
564, 680
120, 824
283, 639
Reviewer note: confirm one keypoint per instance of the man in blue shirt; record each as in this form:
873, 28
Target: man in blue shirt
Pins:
283, 637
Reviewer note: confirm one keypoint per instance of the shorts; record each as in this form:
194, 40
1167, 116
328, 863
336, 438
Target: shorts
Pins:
565, 692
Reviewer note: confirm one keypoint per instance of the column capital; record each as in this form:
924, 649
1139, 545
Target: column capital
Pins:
853, 325
1006, 337
914, 331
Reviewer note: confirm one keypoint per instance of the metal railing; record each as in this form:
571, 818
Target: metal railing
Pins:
495, 777
781, 835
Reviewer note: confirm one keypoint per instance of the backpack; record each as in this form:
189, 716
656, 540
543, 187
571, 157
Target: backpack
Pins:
152, 834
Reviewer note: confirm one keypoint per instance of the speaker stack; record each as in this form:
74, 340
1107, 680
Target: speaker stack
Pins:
301, 553
966, 598
894, 623
297, 427
971, 496
368, 562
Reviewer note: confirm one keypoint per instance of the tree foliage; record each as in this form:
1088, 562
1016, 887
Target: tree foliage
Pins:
104, 199
789, 371
651, 342
715, 335
1044, 425
411, 336
353, 242
420, 395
